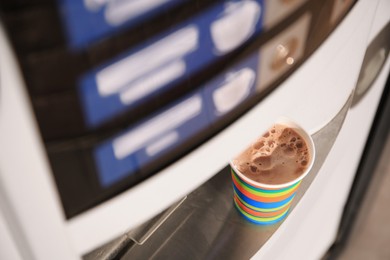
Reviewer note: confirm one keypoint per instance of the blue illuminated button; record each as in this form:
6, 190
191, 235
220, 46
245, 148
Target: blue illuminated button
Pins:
167, 59
232, 88
90, 20
139, 146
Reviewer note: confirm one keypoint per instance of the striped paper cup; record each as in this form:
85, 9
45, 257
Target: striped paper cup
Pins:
266, 204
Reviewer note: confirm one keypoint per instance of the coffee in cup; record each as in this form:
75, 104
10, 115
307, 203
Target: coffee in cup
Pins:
267, 174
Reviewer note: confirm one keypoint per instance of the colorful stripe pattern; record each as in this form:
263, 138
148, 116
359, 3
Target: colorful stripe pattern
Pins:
259, 205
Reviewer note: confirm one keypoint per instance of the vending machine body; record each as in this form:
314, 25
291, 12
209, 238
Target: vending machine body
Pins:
118, 121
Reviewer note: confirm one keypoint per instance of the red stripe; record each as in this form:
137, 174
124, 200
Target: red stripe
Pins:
260, 198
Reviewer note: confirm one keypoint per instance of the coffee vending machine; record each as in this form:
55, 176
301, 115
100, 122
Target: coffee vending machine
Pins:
118, 119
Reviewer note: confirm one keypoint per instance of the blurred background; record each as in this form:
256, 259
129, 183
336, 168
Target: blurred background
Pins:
369, 233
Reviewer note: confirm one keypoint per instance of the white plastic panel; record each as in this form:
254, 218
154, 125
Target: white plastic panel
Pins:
316, 218
28, 193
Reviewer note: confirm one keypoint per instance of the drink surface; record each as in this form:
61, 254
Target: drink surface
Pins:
279, 156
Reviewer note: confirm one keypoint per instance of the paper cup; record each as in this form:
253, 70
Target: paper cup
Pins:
266, 204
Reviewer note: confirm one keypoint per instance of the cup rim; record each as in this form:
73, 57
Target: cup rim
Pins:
311, 147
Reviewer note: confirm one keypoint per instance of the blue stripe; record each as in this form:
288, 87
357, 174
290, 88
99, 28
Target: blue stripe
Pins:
264, 205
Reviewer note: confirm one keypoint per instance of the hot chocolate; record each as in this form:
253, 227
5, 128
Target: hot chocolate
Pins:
279, 156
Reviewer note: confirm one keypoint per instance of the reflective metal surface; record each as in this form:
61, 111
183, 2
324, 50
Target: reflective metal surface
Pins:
111, 250
143, 232
207, 226
116, 247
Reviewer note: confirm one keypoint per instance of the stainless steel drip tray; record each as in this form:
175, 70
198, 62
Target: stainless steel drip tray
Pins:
206, 224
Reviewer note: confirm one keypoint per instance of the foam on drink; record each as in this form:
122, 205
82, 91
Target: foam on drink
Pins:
279, 156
